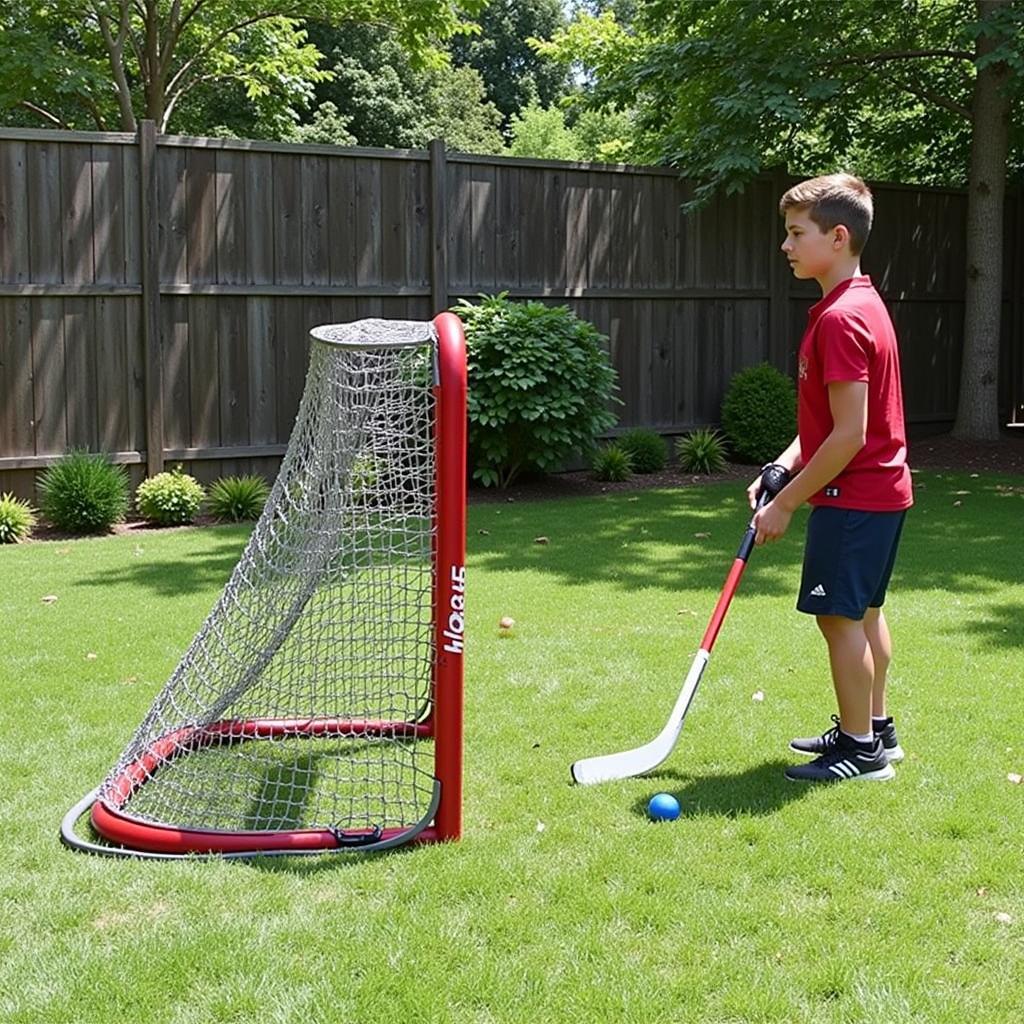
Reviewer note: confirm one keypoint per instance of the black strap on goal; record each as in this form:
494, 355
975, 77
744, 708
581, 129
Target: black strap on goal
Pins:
361, 838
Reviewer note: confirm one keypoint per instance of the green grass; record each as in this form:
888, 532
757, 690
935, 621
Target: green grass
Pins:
765, 902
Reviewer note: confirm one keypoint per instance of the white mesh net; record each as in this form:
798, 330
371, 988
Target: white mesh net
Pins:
295, 706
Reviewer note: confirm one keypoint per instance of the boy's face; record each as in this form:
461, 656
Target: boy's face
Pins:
811, 252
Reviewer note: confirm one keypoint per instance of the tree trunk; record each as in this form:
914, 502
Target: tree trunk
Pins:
977, 415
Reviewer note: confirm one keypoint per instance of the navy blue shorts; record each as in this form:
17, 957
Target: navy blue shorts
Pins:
848, 559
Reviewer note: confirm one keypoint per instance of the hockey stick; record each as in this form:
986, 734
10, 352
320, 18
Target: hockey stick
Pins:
628, 763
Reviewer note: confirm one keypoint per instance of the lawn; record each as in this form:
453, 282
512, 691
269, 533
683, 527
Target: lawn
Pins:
766, 901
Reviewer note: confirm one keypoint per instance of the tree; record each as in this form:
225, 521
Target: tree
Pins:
514, 73
109, 63
724, 88
389, 102
541, 133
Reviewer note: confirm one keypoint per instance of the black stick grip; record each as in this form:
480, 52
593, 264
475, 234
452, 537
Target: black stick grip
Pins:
773, 478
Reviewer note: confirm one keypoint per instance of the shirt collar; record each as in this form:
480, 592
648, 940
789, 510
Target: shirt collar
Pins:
860, 281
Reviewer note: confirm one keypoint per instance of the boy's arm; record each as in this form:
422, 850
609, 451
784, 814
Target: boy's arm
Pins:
848, 402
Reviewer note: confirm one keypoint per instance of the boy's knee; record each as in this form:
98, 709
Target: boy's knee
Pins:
834, 627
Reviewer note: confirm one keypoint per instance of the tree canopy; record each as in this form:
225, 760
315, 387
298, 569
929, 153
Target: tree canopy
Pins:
108, 63
724, 88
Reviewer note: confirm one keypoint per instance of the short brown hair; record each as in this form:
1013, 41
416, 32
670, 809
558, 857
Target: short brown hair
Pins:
835, 199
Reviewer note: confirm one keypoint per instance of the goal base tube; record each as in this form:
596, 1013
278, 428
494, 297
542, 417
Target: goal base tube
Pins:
113, 823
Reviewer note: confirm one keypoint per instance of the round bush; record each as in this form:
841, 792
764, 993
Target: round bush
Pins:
84, 493
759, 413
16, 519
170, 499
701, 451
612, 463
540, 386
647, 449
236, 498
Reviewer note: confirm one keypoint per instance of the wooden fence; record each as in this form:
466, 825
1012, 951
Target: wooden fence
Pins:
156, 291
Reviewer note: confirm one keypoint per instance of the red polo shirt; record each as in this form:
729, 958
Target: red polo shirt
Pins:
849, 336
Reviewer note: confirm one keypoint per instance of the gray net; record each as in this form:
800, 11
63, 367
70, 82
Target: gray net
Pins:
296, 705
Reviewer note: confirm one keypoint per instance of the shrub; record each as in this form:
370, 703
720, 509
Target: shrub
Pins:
238, 497
16, 519
170, 499
701, 451
759, 413
540, 386
612, 463
647, 449
84, 493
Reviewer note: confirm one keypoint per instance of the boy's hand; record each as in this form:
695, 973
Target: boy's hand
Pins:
771, 522
754, 491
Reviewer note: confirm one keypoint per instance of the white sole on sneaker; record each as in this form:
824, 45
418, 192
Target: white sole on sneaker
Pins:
892, 756
879, 775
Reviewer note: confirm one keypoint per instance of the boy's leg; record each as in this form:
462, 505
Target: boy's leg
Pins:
850, 656
877, 631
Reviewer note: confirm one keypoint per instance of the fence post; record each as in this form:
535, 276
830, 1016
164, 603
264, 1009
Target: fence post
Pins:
438, 226
1017, 323
149, 220
779, 341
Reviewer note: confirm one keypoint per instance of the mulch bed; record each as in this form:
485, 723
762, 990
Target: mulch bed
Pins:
934, 453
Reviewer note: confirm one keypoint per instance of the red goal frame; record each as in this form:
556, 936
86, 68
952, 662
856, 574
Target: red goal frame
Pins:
133, 836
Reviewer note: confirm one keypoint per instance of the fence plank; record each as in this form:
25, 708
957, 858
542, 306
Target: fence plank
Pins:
483, 202
177, 388
49, 399
341, 219
173, 214
368, 222
394, 219
260, 340
259, 218
204, 377
201, 197
14, 206
287, 221
315, 201
233, 375
108, 228
80, 372
44, 211
17, 429
230, 219
111, 374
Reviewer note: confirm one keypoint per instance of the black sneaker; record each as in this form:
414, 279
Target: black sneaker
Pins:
822, 744
887, 734
818, 744
847, 759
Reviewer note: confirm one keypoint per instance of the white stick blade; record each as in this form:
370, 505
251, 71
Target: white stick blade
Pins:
629, 763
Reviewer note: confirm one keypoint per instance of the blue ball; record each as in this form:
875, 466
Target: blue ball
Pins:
663, 807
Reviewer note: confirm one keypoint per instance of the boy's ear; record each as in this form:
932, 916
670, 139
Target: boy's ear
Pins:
840, 236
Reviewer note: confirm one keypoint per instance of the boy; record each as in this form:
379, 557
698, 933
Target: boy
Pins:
849, 461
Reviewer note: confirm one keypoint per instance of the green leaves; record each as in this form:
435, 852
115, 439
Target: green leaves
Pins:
540, 386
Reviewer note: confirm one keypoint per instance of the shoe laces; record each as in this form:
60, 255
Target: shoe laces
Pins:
830, 737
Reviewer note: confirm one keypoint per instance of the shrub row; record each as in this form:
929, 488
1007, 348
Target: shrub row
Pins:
85, 493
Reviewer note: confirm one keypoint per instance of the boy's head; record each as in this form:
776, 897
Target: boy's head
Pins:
827, 224
831, 201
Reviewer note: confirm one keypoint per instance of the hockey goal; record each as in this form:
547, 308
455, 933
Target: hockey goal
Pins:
319, 707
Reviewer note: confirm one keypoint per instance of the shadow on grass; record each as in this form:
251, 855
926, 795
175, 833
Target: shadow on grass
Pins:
1004, 626
756, 791
682, 539
173, 577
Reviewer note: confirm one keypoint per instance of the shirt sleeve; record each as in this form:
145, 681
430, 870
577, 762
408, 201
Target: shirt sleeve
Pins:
846, 347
